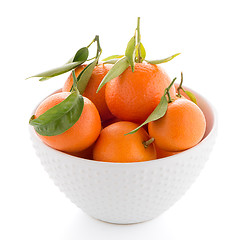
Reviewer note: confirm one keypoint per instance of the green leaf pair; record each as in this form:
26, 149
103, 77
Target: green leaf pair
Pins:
130, 52
85, 75
79, 58
121, 63
134, 52
64, 115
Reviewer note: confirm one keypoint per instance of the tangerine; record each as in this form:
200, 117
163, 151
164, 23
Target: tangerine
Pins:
132, 96
114, 146
182, 127
81, 135
98, 99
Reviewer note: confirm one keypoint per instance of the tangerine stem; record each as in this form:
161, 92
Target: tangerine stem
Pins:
180, 86
74, 86
91, 58
91, 42
139, 60
168, 89
148, 142
99, 49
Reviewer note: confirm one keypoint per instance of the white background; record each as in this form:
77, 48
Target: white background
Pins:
38, 35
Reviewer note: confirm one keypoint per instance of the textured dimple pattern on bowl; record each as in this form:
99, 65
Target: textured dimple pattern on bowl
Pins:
124, 193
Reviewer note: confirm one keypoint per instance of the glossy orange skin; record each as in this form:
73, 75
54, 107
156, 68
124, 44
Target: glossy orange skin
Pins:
81, 135
182, 127
98, 99
132, 96
113, 146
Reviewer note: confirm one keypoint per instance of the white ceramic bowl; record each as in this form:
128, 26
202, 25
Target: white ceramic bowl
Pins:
125, 193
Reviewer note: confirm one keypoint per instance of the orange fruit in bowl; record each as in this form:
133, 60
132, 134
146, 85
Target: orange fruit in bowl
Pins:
81, 135
98, 99
132, 96
182, 127
114, 146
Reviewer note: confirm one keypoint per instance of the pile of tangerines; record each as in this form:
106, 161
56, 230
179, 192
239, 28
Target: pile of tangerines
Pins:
121, 109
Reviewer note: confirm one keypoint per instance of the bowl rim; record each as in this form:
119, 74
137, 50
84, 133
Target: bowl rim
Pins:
169, 158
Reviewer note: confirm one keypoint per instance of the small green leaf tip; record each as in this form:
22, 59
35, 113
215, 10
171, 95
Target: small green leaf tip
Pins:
112, 57
164, 60
191, 96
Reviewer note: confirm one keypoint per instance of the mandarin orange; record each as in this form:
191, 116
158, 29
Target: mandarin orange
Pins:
182, 127
114, 146
132, 96
81, 135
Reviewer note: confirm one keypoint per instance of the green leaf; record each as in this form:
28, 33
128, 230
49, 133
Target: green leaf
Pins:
43, 79
84, 76
70, 60
59, 118
142, 52
111, 61
191, 96
130, 52
81, 55
57, 71
157, 113
119, 67
112, 57
162, 60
